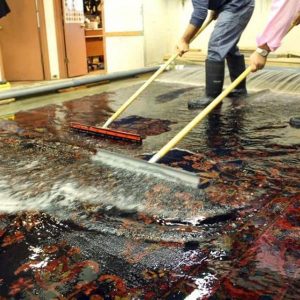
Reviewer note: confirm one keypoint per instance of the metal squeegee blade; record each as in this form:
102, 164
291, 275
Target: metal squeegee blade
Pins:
139, 166
110, 133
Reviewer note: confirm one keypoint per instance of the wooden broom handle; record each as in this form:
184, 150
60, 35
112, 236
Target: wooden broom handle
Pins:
150, 80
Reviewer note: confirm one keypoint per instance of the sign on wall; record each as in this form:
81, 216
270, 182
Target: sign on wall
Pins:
73, 11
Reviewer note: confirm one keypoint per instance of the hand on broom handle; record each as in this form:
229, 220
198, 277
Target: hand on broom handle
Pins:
152, 78
177, 138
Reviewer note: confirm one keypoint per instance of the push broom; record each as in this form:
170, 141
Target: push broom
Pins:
116, 134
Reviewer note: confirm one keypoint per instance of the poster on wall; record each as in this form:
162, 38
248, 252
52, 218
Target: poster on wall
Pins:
73, 11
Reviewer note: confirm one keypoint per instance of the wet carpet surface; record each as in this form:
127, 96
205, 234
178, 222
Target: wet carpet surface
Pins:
72, 228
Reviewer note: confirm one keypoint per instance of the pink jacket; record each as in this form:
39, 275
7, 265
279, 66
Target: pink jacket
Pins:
283, 13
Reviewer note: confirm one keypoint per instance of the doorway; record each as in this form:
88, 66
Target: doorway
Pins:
80, 39
94, 35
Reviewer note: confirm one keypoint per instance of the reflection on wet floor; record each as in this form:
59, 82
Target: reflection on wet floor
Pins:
73, 228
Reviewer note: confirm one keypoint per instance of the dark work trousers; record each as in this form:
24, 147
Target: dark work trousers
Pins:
227, 32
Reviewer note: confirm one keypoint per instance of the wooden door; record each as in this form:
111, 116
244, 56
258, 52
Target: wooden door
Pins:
20, 42
76, 58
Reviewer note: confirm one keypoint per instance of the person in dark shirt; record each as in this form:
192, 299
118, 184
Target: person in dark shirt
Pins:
232, 18
4, 9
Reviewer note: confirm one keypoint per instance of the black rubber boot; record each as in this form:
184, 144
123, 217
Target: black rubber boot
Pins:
236, 66
214, 73
295, 122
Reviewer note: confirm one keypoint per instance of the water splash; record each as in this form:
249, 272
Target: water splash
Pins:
283, 80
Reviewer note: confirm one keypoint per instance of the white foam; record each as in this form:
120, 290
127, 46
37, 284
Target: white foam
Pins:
62, 195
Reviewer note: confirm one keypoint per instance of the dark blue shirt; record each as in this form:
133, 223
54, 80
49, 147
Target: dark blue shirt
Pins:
201, 7
4, 9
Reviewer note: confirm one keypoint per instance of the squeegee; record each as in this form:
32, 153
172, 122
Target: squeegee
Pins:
116, 134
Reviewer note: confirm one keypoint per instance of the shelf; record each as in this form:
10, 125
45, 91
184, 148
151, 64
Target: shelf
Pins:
93, 36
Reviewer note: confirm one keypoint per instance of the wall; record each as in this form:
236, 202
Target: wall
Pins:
123, 23
161, 23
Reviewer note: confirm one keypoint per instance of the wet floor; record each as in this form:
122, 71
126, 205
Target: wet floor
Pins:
74, 228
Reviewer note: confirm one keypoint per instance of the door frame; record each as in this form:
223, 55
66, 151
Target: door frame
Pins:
104, 37
60, 36
43, 39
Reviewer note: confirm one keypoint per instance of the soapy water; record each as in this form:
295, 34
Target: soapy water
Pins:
103, 187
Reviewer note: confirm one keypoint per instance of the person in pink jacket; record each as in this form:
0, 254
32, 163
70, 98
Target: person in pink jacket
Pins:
284, 13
